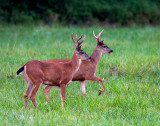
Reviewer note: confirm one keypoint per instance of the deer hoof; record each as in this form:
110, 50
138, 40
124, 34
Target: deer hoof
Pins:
100, 92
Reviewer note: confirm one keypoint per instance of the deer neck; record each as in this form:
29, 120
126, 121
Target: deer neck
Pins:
76, 62
96, 55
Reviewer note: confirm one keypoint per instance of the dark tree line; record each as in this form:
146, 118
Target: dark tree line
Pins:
122, 12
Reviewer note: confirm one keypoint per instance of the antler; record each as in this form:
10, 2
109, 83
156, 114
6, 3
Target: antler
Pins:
73, 40
97, 37
82, 40
77, 43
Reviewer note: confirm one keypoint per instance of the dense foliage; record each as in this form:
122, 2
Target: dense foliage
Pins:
122, 12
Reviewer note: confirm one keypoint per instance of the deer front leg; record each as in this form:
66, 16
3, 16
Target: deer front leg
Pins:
95, 78
33, 94
46, 92
83, 89
62, 90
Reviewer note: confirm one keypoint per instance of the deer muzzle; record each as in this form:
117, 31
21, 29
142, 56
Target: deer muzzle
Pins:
110, 51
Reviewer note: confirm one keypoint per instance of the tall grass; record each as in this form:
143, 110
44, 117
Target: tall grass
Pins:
131, 77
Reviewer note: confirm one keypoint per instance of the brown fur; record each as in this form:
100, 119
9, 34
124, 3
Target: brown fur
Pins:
59, 74
87, 68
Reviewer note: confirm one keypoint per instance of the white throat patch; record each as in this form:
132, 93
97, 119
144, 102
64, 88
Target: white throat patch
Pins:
80, 61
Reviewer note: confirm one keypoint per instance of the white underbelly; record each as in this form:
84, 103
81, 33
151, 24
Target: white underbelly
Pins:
48, 83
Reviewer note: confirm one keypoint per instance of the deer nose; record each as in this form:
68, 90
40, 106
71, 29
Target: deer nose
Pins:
111, 51
89, 58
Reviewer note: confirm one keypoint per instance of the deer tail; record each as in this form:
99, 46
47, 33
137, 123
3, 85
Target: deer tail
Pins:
21, 70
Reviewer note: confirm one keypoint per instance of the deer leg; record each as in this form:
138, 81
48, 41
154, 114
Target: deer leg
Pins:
46, 91
29, 88
33, 94
26, 94
62, 90
95, 78
83, 89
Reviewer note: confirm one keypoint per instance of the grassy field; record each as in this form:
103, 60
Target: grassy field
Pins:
131, 77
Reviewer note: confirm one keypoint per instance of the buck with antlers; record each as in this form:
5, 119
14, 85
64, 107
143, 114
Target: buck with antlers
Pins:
37, 72
87, 68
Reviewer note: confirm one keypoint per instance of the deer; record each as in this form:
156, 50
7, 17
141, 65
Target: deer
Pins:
87, 68
60, 74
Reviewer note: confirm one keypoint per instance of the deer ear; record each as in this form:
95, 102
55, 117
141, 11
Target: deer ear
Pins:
77, 50
101, 41
78, 47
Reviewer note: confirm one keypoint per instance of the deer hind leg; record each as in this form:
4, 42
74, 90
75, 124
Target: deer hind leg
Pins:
62, 90
83, 89
46, 91
34, 92
26, 94
29, 88
95, 78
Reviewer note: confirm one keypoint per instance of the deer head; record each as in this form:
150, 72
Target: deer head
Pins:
101, 46
79, 52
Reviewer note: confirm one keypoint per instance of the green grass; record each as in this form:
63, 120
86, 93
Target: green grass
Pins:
131, 77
